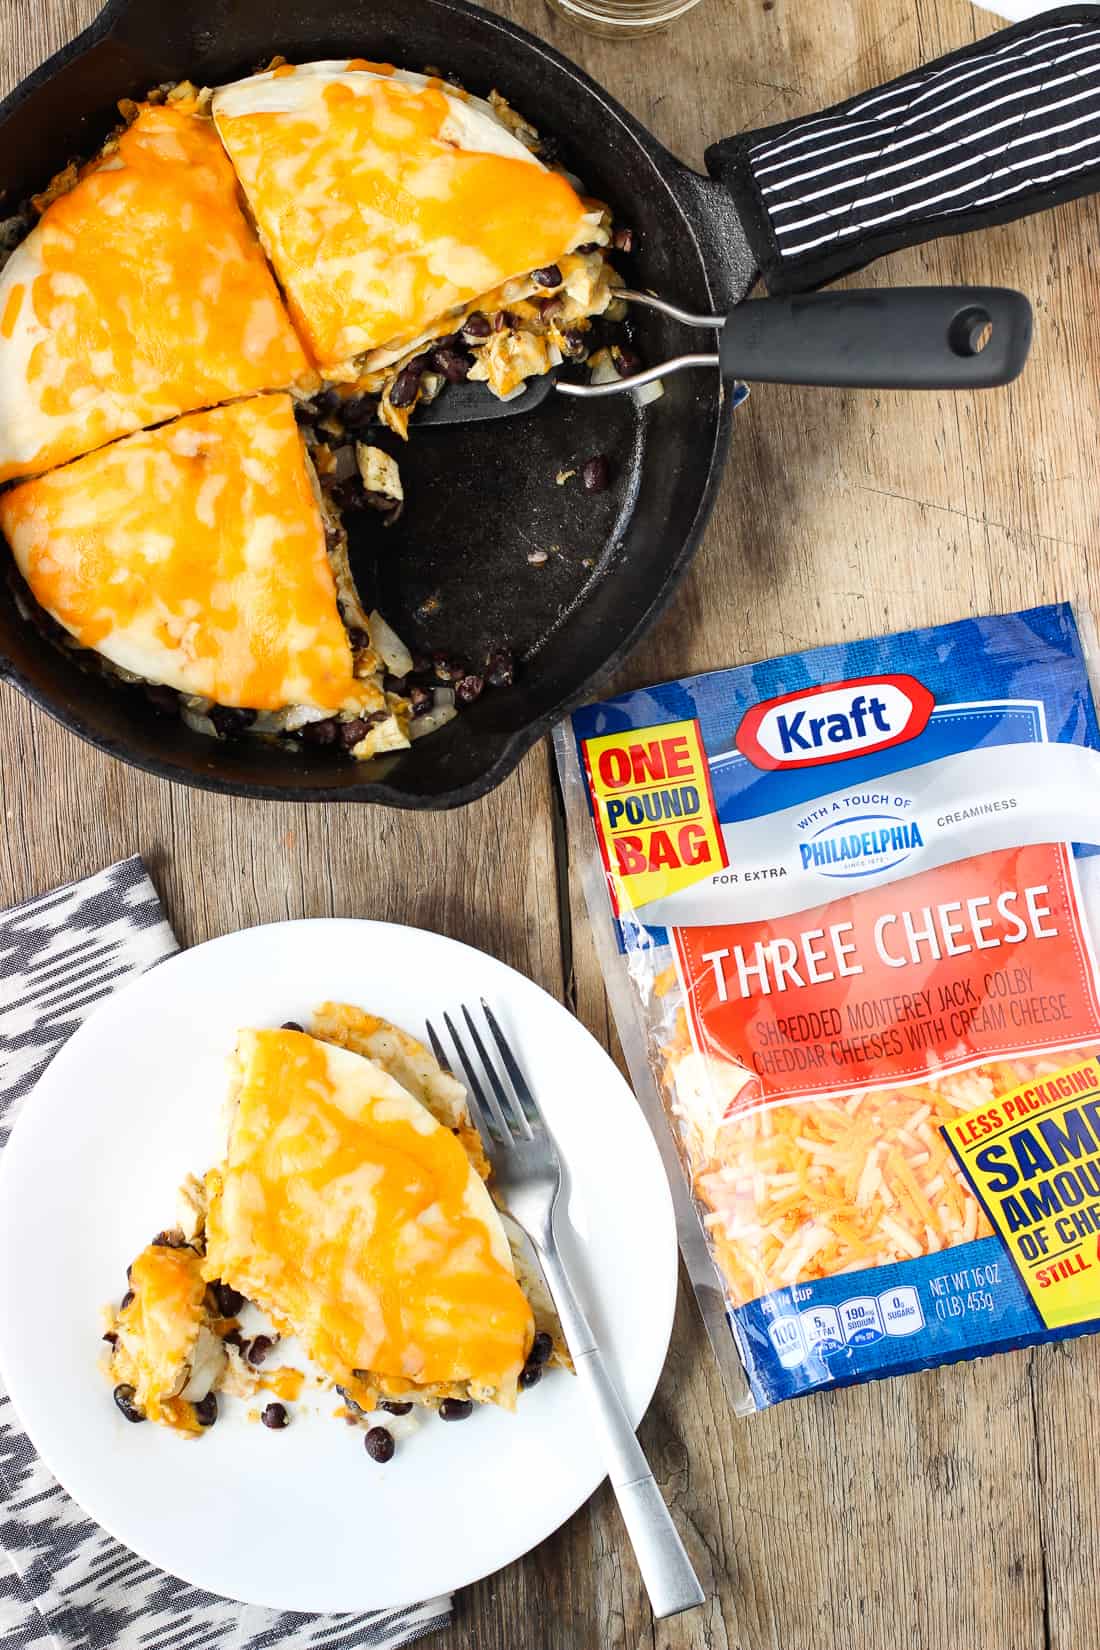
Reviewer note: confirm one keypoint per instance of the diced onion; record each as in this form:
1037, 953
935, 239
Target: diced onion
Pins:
196, 721
389, 646
431, 720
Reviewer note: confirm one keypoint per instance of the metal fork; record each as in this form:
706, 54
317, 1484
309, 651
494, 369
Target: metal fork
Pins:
527, 1181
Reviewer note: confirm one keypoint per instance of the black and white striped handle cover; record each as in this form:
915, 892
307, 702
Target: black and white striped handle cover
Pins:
1008, 126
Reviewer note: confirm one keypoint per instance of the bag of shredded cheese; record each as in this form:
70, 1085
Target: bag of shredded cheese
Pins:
848, 903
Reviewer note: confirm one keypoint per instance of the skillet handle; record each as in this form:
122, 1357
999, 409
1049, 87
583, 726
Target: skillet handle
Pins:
1001, 129
904, 338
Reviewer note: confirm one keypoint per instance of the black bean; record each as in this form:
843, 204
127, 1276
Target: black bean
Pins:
304, 414
329, 401
455, 1409
576, 342
452, 363
289, 1025
111, 1337
275, 1417
124, 1398
623, 240
476, 326
350, 733
503, 319
393, 1407
548, 307
596, 474
358, 638
230, 1300
530, 1375
501, 668
549, 275
258, 1348
469, 688
541, 1348
320, 733
380, 1445
421, 700
126, 1299
206, 1410
406, 386
230, 720
233, 1337
625, 361
589, 246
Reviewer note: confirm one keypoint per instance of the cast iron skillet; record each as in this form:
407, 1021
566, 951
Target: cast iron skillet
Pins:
454, 573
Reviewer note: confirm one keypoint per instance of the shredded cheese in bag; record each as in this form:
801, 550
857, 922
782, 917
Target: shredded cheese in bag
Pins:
847, 904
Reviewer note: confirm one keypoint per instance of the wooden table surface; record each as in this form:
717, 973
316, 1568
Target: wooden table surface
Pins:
952, 1510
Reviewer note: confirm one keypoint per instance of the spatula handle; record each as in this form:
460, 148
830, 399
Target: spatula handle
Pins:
905, 338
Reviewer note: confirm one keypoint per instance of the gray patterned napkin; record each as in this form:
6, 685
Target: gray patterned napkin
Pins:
63, 1580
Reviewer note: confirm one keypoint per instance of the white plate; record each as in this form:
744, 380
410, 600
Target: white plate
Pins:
302, 1519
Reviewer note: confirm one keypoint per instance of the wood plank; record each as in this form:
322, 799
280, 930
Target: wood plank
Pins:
910, 1512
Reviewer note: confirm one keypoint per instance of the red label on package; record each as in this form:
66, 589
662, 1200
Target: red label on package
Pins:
979, 960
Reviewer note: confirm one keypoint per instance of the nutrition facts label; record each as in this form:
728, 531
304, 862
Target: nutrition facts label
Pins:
859, 1321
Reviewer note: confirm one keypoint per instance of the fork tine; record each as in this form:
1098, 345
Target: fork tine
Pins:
528, 1104
512, 1110
437, 1047
490, 1118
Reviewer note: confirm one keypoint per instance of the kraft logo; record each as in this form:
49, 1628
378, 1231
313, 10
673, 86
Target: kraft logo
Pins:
835, 721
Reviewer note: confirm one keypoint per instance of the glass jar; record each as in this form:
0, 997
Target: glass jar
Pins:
622, 19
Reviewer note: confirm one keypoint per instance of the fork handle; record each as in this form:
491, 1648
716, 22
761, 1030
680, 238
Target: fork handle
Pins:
665, 1568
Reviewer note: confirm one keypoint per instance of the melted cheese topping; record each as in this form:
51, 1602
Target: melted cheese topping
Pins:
350, 1215
284, 1383
386, 201
159, 1329
141, 294
194, 555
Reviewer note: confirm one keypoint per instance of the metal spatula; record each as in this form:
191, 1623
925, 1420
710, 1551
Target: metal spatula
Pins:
902, 338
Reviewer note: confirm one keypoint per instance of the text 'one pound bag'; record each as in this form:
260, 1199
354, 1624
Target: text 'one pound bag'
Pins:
847, 903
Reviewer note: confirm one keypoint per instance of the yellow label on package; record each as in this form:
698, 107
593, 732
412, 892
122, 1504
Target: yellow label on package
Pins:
1033, 1159
654, 811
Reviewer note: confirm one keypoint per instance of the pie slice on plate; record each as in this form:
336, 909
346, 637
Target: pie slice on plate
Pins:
351, 1208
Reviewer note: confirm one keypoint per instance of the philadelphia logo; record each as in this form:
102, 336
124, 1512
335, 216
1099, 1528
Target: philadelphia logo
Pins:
831, 723
853, 847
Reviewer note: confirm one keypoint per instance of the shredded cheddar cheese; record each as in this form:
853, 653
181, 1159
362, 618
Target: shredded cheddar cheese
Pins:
387, 201
811, 1188
142, 293
194, 555
356, 1221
